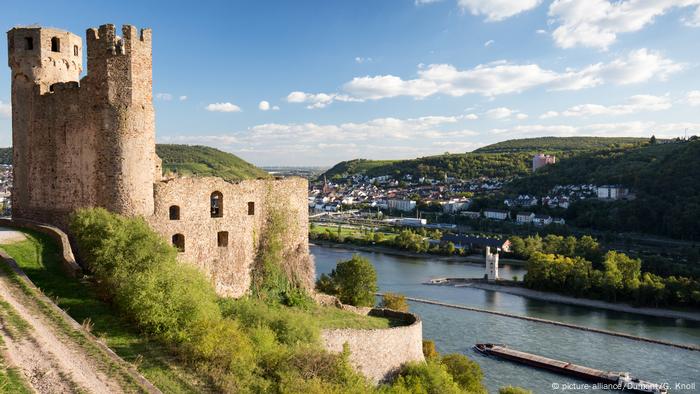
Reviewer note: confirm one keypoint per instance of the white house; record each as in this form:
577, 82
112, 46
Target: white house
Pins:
524, 217
496, 214
471, 214
542, 220
612, 192
402, 205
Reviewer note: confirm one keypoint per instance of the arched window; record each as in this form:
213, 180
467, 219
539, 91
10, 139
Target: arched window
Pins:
222, 239
251, 208
179, 242
56, 44
217, 205
174, 212
75, 50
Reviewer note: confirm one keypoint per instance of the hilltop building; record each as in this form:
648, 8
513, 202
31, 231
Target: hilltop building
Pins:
541, 160
90, 142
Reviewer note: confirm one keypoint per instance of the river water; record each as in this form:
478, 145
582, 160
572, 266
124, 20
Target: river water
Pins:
457, 330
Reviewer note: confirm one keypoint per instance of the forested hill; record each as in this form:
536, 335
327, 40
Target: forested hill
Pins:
503, 159
560, 144
193, 160
460, 165
663, 177
205, 161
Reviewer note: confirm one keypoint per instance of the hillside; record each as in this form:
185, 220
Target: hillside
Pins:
206, 161
663, 176
461, 166
559, 144
503, 159
193, 160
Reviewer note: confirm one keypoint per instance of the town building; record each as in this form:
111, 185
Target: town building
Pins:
612, 192
541, 160
496, 214
401, 205
524, 217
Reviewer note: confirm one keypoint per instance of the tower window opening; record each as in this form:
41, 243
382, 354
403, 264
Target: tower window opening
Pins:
174, 212
55, 44
75, 50
251, 208
29, 43
179, 242
222, 239
217, 205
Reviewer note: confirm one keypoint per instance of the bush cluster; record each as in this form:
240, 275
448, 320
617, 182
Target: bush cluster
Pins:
354, 281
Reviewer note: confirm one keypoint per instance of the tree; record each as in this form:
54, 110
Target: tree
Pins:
396, 302
354, 281
652, 140
465, 372
513, 390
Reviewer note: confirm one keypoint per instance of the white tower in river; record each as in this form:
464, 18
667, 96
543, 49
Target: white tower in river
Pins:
491, 264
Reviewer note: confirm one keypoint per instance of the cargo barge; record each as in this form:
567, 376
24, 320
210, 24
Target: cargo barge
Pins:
618, 380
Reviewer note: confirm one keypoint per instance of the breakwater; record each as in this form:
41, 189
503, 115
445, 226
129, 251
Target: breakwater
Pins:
555, 323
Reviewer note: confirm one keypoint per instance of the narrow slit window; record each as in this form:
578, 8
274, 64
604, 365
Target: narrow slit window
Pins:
29, 43
222, 239
174, 212
217, 205
55, 44
251, 208
75, 50
179, 242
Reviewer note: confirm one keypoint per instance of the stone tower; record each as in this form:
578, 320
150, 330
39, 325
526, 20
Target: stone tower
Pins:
81, 142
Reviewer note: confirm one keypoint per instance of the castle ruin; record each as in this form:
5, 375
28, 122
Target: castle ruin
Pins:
90, 142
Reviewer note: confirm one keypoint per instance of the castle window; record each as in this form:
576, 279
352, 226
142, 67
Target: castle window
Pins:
217, 205
29, 43
251, 208
75, 50
222, 239
179, 242
55, 44
174, 212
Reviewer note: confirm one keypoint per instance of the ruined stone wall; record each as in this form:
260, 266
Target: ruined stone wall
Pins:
229, 266
379, 354
81, 144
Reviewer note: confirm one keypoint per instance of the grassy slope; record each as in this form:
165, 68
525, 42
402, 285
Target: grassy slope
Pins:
11, 380
206, 161
38, 257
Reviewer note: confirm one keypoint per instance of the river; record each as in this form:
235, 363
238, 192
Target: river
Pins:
457, 330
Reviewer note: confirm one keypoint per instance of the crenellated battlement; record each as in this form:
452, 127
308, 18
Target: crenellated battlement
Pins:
105, 41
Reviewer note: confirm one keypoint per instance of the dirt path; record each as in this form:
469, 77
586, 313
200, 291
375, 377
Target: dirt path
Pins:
48, 359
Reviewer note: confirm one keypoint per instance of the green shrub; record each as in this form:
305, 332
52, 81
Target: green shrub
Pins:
465, 372
429, 350
354, 282
513, 390
396, 302
430, 377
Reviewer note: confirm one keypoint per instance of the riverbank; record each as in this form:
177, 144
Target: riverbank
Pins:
562, 299
471, 259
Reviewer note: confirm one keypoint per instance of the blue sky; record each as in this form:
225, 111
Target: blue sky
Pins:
400, 79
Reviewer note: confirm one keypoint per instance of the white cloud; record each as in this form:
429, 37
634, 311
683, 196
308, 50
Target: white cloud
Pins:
634, 104
183, 98
596, 23
622, 129
471, 117
541, 31
223, 107
319, 100
264, 106
164, 96
497, 78
693, 20
489, 43
692, 97
504, 113
5, 110
360, 59
421, 2
497, 10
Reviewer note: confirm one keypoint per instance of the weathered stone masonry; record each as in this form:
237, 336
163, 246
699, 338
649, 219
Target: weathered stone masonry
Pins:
90, 142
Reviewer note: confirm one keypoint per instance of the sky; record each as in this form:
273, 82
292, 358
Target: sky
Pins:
311, 83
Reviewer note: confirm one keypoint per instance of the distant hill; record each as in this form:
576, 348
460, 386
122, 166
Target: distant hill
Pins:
663, 176
559, 144
460, 165
205, 161
193, 160
503, 159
